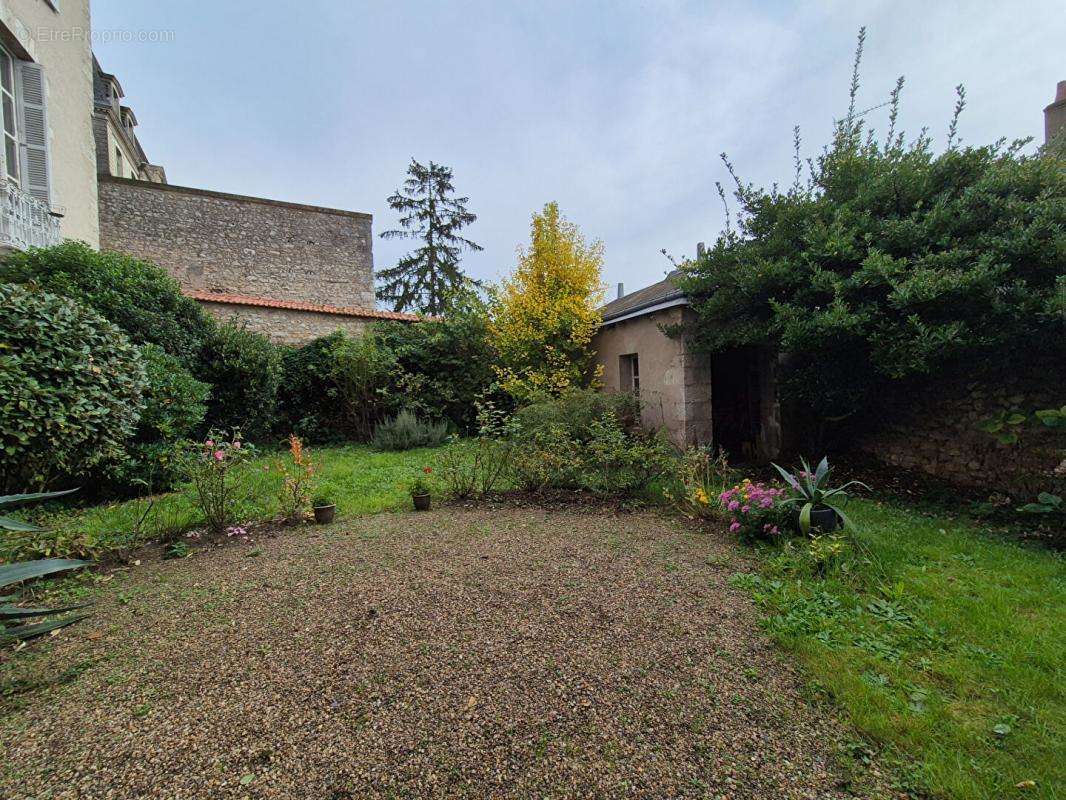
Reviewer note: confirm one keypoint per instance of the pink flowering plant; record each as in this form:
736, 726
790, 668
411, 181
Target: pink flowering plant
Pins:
755, 510
211, 466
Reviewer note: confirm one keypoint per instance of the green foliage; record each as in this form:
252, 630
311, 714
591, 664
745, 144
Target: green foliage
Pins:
71, 388
811, 491
930, 634
575, 410
586, 440
424, 279
308, 402
325, 495
174, 408
1046, 503
365, 482
422, 485
890, 265
340, 385
361, 367
14, 624
138, 297
405, 431
244, 369
213, 467
701, 474
476, 468
443, 367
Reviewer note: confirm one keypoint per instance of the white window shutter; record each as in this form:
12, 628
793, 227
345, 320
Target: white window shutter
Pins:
33, 127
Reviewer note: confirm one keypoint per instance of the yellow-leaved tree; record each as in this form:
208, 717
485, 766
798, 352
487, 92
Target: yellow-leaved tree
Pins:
545, 315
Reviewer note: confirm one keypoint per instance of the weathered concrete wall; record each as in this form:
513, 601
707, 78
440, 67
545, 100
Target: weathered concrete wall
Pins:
230, 244
285, 326
939, 434
58, 38
675, 384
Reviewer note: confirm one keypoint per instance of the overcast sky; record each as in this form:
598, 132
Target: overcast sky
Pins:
617, 110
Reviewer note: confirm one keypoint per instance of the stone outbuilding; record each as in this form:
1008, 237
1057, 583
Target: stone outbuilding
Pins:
728, 399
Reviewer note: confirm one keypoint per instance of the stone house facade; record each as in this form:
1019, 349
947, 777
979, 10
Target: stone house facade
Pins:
697, 399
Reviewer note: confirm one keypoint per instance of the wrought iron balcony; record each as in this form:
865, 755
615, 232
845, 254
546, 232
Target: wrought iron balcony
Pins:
25, 221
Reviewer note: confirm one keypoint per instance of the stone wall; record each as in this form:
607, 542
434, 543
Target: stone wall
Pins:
286, 326
939, 434
231, 244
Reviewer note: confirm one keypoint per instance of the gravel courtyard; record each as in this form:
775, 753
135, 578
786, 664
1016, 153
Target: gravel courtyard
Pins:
459, 653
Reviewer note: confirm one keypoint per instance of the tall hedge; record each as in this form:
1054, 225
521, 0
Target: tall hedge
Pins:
244, 370
137, 296
71, 387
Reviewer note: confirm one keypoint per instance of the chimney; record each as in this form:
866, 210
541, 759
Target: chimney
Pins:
1055, 115
621, 290
701, 248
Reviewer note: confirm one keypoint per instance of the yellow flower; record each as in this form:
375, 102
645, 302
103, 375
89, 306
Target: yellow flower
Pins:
701, 496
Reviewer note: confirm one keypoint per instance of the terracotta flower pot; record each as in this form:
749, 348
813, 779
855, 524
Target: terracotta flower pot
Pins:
325, 514
421, 501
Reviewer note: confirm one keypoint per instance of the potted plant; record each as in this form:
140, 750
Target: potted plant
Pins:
324, 504
819, 506
420, 490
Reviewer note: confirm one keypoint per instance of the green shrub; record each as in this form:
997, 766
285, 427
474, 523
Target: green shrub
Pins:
892, 267
575, 411
308, 403
213, 467
405, 431
475, 468
138, 297
71, 388
174, 409
443, 367
361, 367
244, 369
580, 440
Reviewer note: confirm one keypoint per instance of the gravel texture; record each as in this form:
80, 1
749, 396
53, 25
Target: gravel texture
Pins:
459, 653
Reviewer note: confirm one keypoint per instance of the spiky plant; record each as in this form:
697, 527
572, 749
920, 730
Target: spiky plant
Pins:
18, 623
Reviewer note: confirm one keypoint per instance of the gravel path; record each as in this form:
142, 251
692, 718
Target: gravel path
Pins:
460, 653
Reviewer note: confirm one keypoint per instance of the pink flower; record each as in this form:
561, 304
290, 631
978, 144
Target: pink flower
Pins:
734, 527
236, 445
209, 443
219, 455
733, 505
745, 509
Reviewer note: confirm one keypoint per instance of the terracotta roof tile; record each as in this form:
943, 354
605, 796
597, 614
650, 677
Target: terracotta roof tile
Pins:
297, 305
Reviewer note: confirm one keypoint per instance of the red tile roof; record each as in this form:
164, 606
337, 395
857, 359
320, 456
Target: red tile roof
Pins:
297, 305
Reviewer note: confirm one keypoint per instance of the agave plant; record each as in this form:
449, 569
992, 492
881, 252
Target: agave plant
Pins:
16, 622
811, 493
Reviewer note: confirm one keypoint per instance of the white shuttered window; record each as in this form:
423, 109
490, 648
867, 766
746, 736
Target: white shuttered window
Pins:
33, 125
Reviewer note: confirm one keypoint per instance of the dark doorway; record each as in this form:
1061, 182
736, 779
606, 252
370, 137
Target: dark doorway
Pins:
736, 402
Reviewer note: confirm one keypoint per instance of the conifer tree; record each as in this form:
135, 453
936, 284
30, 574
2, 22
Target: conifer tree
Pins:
424, 278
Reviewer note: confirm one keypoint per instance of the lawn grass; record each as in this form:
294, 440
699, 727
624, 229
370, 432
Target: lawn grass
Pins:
947, 650
365, 482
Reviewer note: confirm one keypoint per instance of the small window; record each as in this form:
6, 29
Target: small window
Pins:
118, 163
629, 373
